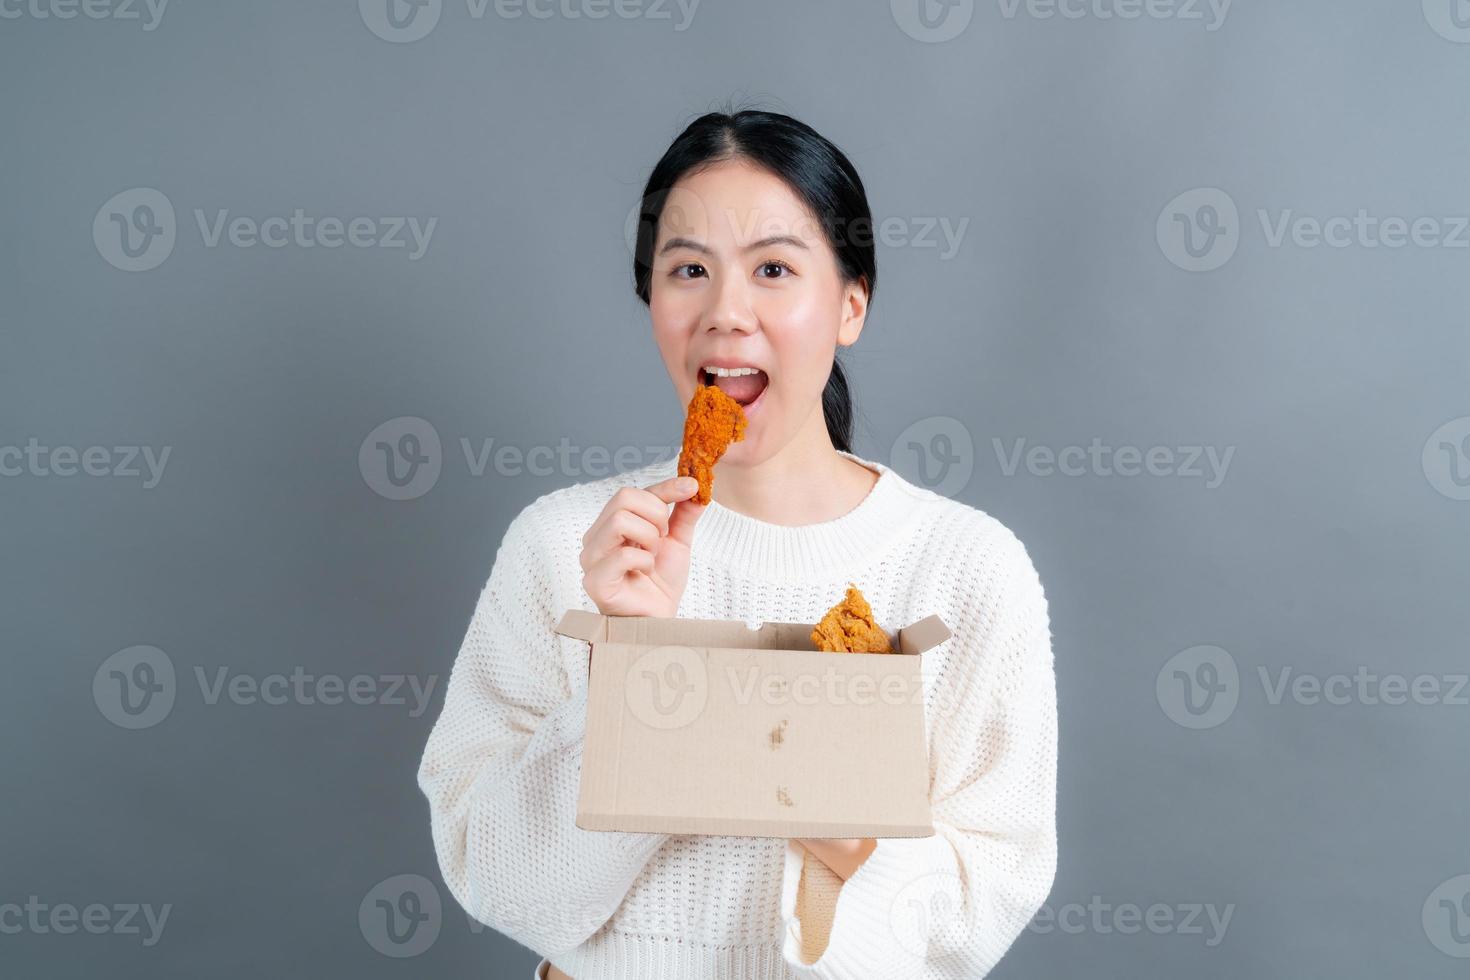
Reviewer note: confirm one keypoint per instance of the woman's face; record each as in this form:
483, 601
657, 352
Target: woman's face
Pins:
743, 276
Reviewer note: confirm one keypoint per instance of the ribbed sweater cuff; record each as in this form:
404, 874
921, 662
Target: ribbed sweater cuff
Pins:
882, 913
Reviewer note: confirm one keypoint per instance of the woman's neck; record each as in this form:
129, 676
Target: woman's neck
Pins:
807, 482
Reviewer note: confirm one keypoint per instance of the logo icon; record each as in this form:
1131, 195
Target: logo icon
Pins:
926, 908
135, 688
401, 916
1199, 230
1199, 687
401, 459
135, 230
1449, 18
1447, 917
667, 687
400, 21
1446, 459
935, 453
683, 214
932, 21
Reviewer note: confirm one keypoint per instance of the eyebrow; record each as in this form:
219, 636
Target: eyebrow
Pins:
690, 243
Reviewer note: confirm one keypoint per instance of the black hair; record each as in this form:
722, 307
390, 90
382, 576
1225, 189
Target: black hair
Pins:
815, 170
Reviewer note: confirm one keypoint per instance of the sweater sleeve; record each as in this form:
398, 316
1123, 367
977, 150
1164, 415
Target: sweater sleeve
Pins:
950, 905
502, 766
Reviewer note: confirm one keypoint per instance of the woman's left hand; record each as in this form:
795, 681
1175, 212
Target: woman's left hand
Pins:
844, 855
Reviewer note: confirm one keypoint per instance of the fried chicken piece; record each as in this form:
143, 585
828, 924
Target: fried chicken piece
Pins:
849, 627
714, 421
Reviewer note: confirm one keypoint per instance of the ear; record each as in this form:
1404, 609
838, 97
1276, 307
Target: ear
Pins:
854, 312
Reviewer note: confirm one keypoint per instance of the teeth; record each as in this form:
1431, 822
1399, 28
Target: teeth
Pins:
739, 372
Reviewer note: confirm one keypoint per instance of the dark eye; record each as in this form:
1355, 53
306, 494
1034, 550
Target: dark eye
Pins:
678, 271
774, 269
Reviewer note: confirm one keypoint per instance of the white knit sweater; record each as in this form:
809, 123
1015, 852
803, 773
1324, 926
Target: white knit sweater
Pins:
502, 764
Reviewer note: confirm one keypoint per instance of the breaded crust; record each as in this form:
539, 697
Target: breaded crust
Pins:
713, 422
848, 627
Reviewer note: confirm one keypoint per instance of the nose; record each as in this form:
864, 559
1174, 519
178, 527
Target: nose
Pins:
729, 308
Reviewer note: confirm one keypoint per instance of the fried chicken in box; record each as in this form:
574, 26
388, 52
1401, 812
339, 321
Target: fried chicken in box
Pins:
849, 627
714, 421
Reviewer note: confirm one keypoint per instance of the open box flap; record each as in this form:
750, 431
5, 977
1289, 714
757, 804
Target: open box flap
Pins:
678, 631
926, 634
579, 624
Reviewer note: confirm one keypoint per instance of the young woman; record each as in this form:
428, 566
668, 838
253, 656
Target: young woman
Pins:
755, 251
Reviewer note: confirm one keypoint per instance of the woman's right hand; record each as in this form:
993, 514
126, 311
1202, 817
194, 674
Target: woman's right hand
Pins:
635, 556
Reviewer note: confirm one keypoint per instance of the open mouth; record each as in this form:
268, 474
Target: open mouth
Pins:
745, 385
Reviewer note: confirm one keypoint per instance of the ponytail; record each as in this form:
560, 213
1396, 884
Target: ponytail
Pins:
837, 408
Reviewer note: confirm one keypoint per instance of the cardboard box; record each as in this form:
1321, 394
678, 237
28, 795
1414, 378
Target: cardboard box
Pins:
700, 726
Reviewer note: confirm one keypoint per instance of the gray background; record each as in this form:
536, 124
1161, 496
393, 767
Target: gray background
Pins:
1330, 545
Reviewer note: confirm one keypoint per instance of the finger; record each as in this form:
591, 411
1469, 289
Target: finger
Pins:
636, 529
648, 503
639, 501
674, 489
682, 521
607, 573
623, 527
